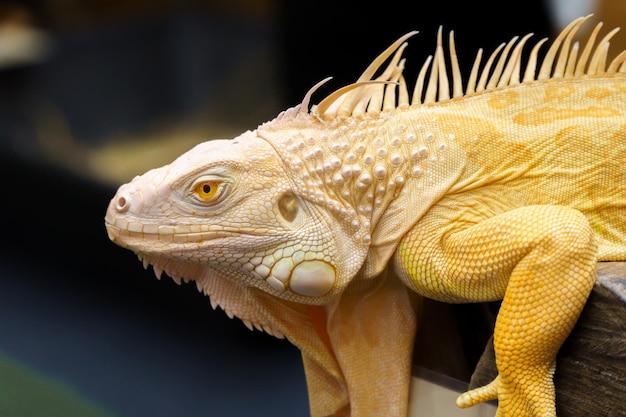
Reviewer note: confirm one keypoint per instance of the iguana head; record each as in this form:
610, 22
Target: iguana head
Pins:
228, 209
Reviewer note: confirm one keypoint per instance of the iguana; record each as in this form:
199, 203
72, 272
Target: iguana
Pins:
324, 224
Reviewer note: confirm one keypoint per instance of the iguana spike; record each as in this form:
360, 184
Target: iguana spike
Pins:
326, 108
389, 100
485, 72
565, 49
344, 103
442, 75
433, 85
571, 60
403, 94
598, 60
620, 59
304, 106
497, 72
431, 90
419, 84
457, 80
511, 73
375, 99
361, 98
373, 67
531, 67
548, 61
582, 62
471, 83
248, 324
603, 53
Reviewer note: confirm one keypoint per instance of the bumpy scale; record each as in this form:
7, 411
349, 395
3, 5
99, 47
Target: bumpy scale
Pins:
324, 225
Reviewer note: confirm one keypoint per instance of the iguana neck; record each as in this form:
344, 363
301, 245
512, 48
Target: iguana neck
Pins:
377, 173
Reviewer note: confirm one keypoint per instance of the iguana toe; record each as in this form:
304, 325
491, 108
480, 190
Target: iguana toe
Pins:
478, 395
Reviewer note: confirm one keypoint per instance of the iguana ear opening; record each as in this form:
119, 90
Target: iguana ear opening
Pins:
289, 207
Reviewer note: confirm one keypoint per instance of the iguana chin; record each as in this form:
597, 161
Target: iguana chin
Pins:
324, 224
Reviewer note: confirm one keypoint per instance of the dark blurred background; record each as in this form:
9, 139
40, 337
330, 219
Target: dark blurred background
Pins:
95, 92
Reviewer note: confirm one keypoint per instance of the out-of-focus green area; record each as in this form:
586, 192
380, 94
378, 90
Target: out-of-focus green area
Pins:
26, 392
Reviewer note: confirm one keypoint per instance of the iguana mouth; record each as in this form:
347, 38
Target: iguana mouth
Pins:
125, 233
122, 229
178, 234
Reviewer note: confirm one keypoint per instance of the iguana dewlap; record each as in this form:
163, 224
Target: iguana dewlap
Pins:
323, 225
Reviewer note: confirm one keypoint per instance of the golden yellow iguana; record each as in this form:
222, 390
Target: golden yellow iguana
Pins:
324, 224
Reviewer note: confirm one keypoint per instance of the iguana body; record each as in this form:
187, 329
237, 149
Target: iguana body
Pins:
322, 226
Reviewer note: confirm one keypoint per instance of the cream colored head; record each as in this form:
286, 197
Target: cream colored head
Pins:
227, 210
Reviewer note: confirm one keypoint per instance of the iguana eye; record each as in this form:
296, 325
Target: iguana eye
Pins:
207, 190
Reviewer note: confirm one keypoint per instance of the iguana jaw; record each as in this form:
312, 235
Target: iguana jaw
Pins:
144, 237
296, 275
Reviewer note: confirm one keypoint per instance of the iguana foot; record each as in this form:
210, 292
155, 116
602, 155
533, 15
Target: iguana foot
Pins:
531, 394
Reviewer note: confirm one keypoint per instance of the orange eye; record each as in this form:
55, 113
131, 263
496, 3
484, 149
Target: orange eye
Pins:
207, 190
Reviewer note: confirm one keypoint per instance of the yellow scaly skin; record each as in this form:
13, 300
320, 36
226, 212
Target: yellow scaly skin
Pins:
323, 226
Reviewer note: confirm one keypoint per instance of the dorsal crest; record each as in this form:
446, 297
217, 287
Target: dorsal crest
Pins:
375, 94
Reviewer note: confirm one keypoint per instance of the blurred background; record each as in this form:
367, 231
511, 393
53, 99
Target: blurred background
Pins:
95, 92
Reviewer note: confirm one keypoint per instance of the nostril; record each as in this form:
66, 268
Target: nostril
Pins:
123, 203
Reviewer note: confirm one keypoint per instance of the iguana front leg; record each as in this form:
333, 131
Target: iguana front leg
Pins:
357, 349
370, 330
539, 259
